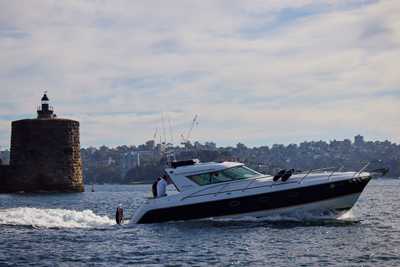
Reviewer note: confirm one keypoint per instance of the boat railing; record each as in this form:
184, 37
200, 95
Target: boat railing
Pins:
335, 170
252, 180
316, 170
367, 163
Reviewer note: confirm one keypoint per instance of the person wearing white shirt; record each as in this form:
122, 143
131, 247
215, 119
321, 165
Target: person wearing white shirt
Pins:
162, 186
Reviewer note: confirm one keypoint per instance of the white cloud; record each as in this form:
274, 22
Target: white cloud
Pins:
269, 70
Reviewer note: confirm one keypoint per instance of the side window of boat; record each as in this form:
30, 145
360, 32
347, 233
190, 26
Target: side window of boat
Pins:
201, 179
219, 177
237, 173
209, 178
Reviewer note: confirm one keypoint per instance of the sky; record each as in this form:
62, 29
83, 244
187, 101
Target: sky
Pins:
258, 72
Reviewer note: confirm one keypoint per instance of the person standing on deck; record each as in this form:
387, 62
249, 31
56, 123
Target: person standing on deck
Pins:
162, 186
154, 187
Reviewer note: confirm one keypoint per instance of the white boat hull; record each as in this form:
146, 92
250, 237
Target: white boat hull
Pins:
337, 206
264, 198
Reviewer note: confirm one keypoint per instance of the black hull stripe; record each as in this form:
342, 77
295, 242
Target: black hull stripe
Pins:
254, 203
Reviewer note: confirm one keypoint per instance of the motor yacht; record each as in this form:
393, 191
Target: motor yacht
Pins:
231, 189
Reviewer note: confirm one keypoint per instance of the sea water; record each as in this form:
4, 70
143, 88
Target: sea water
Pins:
80, 230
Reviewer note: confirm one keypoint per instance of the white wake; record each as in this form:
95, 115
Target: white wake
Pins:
299, 216
304, 216
53, 218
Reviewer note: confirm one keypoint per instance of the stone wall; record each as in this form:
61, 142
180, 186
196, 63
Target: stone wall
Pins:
5, 178
45, 156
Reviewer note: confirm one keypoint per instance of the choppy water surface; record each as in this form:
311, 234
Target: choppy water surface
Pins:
79, 230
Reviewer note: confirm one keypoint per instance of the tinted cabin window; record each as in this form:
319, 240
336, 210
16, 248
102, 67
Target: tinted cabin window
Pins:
201, 179
235, 173
241, 172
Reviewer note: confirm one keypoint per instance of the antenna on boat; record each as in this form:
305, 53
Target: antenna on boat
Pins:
170, 130
163, 128
155, 134
186, 139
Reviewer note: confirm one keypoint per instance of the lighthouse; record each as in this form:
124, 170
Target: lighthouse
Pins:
45, 111
45, 154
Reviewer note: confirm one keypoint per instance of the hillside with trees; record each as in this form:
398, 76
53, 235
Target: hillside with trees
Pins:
143, 163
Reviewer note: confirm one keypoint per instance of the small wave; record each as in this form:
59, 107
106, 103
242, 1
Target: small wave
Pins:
301, 216
53, 218
349, 215
304, 216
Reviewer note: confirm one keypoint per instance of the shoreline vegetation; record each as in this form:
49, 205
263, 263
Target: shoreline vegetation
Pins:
142, 164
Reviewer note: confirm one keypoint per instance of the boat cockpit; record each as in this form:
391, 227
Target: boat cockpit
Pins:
195, 174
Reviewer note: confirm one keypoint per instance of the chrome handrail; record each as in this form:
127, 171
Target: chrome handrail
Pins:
251, 180
224, 185
362, 169
301, 180
335, 170
314, 170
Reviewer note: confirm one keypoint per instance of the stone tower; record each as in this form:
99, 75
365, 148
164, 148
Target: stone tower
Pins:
45, 153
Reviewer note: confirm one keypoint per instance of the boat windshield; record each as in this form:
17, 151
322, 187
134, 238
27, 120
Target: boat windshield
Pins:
231, 174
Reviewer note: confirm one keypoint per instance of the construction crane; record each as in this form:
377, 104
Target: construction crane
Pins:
186, 139
155, 135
